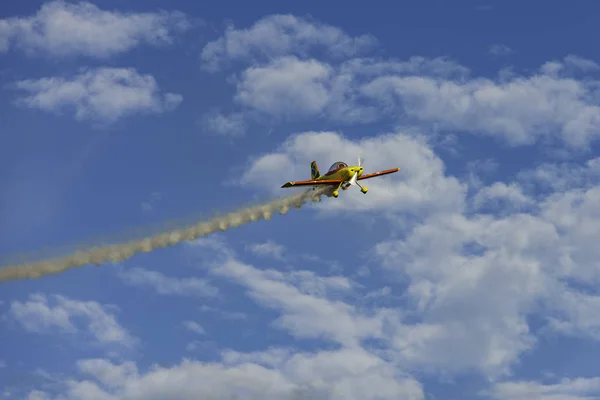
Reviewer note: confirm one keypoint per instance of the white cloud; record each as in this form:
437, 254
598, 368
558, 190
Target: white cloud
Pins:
478, 168
566, 389
231, 315
512, 195
290, 87
373, 67
36, 395
39, 315
226, 125
309, 283
195, 327
107, 373
349, 374
306, 313
280, 35
570, 64
420, 186
286, 80
575, 215
286, 87
166, 285
303, 299
61, 28
522, 109
268, 248
561, 177
576, 314
472, 281
101, 95
433, 93
271, 357
581, 63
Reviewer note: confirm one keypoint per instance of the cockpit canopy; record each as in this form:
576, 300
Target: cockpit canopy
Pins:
337, 165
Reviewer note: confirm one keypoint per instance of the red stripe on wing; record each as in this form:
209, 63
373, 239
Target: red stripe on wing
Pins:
374, 174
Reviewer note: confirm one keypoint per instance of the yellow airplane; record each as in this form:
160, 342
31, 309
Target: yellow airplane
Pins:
339, 174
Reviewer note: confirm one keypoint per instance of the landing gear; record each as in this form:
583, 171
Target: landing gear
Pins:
345, 186
335, 192
363, 189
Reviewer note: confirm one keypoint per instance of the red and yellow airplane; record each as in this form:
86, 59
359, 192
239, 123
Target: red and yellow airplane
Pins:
339, 174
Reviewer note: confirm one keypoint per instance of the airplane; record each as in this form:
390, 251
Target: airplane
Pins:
339, 174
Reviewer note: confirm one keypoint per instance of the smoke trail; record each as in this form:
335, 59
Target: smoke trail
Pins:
123, 251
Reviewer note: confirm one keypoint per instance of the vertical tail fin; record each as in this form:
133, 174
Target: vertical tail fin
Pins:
314, 171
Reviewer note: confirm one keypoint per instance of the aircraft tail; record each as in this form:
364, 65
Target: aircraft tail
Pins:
314, 170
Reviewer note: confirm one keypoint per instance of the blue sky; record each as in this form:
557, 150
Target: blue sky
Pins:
470, 274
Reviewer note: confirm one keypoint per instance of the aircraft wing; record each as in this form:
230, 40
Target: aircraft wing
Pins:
313, 183
374, 174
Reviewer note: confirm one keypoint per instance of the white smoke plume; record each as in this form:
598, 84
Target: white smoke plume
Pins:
122, 251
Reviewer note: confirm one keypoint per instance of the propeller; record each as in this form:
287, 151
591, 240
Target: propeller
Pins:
352, 181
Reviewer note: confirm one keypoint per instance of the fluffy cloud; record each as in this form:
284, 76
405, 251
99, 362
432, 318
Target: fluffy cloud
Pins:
512, 195
286, 80
521, 109
571, 64
165, 285
229, 315
473, 280
550, 177
195, 327
290, 87
60, 28
574, 213
566, 389
278, 35
108, 373
306, 312
286, 86
307, 309
39, 315
101, 95
551, 104
575, 315
226, 125
343, 374
269, 248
